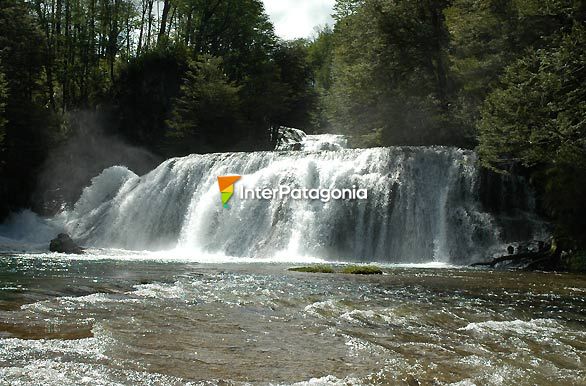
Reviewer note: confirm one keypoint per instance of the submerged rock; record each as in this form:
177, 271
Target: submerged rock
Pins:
64, 244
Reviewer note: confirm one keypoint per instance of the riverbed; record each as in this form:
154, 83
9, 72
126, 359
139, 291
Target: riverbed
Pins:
118, 320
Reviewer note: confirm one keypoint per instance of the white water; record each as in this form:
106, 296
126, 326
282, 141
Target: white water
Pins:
422, 206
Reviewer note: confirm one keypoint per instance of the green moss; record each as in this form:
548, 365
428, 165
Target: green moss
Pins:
362, 270
349, 269
319, 268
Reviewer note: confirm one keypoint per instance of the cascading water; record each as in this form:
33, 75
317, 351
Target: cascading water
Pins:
423, 205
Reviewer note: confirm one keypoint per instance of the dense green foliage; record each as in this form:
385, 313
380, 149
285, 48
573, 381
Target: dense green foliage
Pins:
320, 59
29, 120
417, 72
538, 114
144, 95
488, 36
207, 111
390, 73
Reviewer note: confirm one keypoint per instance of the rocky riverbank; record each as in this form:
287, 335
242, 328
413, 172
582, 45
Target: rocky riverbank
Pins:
551, 256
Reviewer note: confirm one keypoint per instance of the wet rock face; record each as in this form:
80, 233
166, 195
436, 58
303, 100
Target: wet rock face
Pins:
290, 139
64, 244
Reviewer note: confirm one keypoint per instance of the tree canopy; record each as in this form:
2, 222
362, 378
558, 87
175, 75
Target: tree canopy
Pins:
389, 72
208, 108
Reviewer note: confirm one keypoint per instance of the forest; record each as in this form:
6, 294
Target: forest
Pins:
173, 77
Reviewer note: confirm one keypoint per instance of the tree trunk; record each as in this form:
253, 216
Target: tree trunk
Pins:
150, 24
438, 51
65, 75
188, 32
166, 8
144, 9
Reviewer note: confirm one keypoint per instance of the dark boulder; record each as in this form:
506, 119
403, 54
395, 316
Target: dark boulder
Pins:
64, 244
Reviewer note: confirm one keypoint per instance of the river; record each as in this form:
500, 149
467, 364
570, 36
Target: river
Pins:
131, 319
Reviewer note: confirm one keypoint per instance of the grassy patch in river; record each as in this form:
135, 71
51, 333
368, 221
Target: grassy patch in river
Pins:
319, 268
348, 269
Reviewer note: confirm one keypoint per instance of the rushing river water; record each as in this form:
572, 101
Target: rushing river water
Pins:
123, 320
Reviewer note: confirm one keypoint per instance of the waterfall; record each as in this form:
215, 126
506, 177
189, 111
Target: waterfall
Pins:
423, 205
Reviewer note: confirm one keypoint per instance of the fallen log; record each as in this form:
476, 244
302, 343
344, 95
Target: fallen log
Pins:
531, 260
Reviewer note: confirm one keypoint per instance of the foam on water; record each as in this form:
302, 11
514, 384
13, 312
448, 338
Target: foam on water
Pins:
534, 326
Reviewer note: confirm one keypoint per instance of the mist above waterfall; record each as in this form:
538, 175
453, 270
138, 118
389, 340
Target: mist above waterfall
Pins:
70, 167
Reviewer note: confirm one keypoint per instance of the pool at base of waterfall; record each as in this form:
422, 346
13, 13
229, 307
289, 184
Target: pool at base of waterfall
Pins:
118, 320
